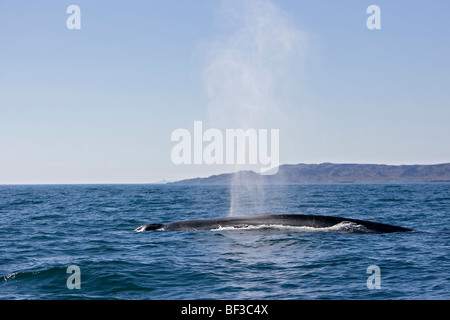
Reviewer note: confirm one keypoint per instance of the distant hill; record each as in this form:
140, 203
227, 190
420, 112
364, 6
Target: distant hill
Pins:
335, 173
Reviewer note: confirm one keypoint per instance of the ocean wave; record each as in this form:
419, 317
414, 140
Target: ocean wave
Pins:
43, 273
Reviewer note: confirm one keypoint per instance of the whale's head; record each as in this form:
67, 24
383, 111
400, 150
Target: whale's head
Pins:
148, 227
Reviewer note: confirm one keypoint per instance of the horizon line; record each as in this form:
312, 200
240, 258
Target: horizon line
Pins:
164, 181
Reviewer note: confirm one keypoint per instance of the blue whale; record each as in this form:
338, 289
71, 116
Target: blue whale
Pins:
276, 221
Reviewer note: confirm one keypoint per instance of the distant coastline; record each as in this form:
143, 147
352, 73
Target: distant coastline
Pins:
335, 173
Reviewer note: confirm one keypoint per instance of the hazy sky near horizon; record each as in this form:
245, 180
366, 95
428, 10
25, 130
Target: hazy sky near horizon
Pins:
99, 104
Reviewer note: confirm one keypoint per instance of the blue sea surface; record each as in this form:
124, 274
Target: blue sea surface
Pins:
47, 228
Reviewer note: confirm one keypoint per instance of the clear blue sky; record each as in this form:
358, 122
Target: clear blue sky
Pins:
98, 105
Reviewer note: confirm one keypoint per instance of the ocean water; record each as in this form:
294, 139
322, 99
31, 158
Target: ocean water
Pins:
45, 229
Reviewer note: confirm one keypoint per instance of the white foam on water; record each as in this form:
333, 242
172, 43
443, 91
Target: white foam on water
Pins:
140, 229
344, 226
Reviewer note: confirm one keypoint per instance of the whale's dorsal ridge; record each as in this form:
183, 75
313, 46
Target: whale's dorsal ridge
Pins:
285, 220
